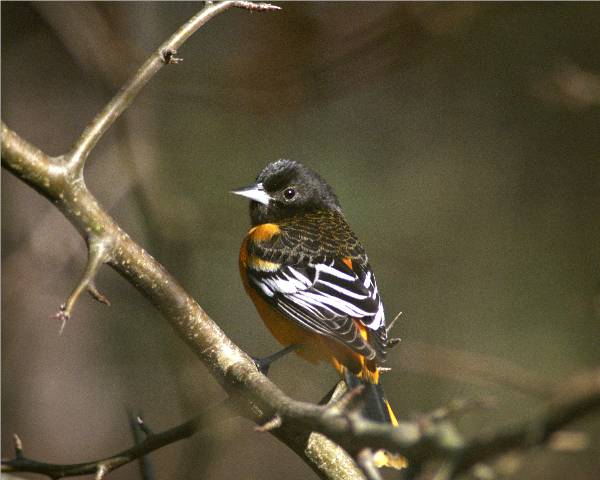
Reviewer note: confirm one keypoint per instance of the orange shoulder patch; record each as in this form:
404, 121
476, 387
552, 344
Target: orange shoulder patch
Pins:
264, 232
348, 262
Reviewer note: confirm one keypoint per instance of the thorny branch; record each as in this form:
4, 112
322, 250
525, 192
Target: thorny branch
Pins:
308, 429
60, 179
152, 442
143, 445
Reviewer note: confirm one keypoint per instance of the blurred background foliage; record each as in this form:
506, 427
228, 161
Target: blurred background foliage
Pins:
463, 140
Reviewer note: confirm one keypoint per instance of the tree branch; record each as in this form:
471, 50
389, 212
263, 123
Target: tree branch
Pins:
108, 464
60, 179
142, 446
421, 444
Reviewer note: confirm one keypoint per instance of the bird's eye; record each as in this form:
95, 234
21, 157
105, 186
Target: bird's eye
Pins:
289, 193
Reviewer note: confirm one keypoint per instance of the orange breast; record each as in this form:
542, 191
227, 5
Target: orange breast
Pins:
285, 331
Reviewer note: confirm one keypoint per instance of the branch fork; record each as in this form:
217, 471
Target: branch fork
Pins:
100, 250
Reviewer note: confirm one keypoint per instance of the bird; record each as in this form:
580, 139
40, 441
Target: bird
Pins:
310, 279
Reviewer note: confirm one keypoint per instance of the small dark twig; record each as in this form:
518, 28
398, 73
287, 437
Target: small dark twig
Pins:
139, 430
102, 466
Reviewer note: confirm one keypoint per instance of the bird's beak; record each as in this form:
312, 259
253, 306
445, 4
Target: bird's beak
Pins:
254, 192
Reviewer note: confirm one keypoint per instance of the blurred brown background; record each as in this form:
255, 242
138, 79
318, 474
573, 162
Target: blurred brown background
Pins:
462, 139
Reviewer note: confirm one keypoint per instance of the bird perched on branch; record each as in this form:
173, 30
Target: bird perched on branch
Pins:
311, 282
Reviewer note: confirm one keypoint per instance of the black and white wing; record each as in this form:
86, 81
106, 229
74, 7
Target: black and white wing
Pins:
328, 298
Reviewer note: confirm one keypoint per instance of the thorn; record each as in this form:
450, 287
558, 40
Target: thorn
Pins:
18, 446
257, 7
391, 325
96, 295
392, 342
272, 424
143, 427
63, 316
102, 471
168, 56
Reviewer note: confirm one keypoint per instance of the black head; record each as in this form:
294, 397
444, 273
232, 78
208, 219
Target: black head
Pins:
286, 188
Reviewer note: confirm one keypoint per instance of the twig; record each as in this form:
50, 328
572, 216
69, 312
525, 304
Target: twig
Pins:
104, 465
99, 252
138, 430
142, 446
391, 324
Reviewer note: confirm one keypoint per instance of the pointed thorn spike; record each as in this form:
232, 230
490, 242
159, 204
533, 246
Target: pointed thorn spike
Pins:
143, 427
96, 295
63, 316
18, 446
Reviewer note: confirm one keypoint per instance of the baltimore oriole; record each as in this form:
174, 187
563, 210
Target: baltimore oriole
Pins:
310, 279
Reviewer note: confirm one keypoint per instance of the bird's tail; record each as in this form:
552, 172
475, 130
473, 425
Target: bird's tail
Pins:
377, 409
